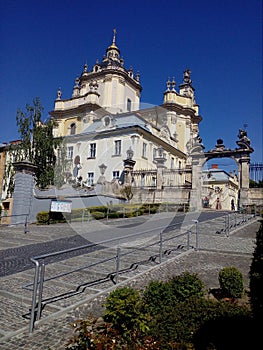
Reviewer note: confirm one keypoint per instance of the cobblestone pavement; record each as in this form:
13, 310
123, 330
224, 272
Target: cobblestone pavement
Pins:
54, 329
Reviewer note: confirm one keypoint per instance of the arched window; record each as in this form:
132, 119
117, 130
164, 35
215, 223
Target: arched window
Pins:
72, 129
128, 105
107, 121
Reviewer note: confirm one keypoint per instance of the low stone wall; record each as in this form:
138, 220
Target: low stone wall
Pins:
255, 196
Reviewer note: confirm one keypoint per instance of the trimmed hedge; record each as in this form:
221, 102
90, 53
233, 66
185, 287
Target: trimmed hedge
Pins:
114, 212
97, 215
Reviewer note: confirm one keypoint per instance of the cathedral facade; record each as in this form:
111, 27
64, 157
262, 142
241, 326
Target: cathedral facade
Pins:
102, 124
114, 151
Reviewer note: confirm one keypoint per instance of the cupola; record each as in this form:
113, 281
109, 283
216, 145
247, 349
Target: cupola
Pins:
113, 51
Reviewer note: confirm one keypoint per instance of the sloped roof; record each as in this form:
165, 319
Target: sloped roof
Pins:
216, 175
119, 122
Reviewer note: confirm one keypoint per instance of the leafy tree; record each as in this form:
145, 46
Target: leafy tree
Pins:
61, 168
255, 184
37, 144
256, 276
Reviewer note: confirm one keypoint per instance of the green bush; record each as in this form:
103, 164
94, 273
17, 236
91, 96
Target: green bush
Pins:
181, 324
98, 215
168, 315
115, 215
186, 285
96, 334
76, 213
158, 297
43, 217
98, 208
124, 312
231, 282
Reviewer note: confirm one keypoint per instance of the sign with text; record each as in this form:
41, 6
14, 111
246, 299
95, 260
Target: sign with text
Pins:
61, 206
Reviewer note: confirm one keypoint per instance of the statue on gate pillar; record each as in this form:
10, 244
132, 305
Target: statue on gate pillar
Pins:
244, 151
244, 141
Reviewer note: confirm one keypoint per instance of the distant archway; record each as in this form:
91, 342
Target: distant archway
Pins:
220, 184
241, 155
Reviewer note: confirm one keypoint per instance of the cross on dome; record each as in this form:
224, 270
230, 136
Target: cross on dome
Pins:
113, 45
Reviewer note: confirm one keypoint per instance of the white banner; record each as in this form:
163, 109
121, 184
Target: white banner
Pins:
61, 206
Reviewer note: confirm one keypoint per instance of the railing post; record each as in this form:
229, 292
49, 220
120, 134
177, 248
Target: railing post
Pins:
40, 291
161, 247
188, 239
228, 225
196, 235
34, 296
25, 226
118, 257
83, 216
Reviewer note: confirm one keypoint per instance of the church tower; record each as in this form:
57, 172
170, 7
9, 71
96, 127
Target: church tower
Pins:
108, 85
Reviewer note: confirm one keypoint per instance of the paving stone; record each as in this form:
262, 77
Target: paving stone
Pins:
54, 329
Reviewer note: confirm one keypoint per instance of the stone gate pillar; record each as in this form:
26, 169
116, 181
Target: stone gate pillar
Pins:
243, 157
198, 159
128, 167
244, 162
23, 192
160, 160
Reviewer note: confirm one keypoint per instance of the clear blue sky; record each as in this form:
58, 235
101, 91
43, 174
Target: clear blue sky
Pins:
44, 45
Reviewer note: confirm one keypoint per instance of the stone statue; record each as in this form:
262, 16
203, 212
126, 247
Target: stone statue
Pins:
244, 141
242, 135
187, 79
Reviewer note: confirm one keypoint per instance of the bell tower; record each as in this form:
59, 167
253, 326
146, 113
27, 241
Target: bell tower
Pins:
108, 85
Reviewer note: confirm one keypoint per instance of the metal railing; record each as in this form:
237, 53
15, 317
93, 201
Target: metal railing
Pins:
40, 263
164, 242
233, 220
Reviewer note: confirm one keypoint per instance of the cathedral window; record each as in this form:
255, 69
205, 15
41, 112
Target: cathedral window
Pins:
90, 179
70, 152
128, 105
107, 121
72, 130
154, 153
116, 174
117, 148
92, 150
144, 150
